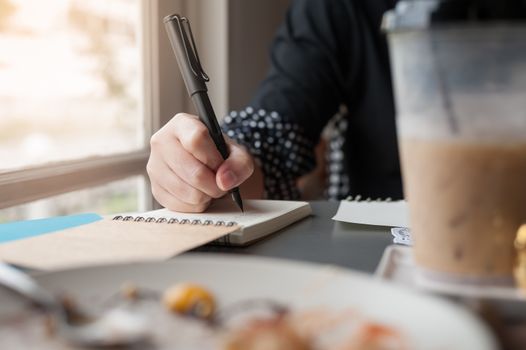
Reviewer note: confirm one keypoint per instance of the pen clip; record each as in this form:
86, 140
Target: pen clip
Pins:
187, 32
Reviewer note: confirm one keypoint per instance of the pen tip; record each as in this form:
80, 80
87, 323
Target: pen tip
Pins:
237, 198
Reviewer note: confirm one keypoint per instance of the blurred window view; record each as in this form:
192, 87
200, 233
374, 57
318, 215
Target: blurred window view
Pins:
70, 80
116, 197
71, 88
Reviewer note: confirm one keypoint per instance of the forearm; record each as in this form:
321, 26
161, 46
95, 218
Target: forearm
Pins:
279, 147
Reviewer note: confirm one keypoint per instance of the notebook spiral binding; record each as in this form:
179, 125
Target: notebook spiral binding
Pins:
162, 220
359, 198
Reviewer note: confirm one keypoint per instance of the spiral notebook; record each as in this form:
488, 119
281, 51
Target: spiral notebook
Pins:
260, 218
154, 235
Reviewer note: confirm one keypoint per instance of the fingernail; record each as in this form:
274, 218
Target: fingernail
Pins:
229, 179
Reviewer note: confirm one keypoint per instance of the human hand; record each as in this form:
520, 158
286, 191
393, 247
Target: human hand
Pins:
187, 171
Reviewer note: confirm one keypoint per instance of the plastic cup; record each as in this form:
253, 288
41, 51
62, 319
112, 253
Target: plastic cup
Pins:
460, 94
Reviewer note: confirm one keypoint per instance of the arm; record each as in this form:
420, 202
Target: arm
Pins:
303, 90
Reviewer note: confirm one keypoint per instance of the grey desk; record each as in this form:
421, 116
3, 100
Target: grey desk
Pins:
320, 239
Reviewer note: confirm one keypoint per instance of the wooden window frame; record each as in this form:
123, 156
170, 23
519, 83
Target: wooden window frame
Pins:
162, 94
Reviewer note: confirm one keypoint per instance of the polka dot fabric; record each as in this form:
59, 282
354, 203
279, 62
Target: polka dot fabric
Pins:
338, 180
280, 147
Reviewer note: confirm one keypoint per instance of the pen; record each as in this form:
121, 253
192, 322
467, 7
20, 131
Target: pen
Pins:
183, 45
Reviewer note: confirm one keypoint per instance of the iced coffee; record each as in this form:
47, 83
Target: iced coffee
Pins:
467, 200
460, 100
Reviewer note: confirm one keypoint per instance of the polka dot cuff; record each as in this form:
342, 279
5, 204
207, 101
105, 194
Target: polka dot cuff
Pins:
281, 148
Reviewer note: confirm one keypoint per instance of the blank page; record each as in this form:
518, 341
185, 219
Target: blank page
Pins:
261, 217
256, 211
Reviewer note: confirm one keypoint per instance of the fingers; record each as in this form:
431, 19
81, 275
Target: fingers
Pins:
172, 203
191, 170
195, 139
179, 180
186, 169
166, 147
161, 176
238, 167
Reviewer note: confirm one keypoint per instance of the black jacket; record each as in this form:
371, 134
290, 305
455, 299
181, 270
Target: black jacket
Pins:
333, 52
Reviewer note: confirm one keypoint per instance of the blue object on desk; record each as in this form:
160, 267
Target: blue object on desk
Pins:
24, 229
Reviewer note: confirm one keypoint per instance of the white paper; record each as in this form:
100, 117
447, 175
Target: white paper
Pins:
392, 214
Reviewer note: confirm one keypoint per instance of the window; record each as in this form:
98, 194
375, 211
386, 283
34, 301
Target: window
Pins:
83, 84
70, 80
77, 104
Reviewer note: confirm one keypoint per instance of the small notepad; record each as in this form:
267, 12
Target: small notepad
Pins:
155, 235
260, 218
379, 213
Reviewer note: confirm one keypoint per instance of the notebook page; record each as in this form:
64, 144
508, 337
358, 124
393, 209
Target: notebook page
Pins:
256, 211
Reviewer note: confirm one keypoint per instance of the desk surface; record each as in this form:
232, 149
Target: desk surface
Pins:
320, 239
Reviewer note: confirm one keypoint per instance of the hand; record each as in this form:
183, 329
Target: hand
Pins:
187, 171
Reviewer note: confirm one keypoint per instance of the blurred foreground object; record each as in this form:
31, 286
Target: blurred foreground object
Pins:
459, 92
520, 267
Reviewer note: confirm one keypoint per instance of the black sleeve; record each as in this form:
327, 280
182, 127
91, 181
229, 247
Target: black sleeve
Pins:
310, 63
303, 90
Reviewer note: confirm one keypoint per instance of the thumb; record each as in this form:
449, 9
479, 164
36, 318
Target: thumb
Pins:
235, 169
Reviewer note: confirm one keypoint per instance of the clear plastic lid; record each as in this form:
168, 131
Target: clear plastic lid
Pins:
423, 14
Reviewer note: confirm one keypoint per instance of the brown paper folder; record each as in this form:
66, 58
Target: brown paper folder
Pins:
109, 241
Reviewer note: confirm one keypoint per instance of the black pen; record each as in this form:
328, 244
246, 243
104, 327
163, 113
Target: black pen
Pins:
195, 79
